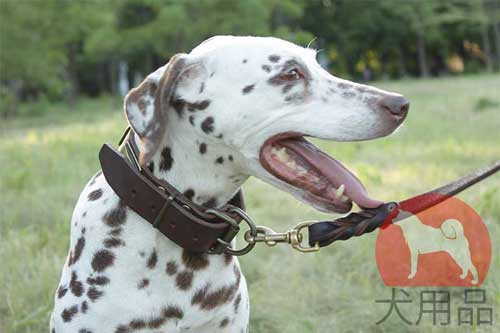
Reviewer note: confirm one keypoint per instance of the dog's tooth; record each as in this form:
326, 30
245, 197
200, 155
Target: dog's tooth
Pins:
291, 165
315, 179
340, 191
301, 172
281, 154
344, 198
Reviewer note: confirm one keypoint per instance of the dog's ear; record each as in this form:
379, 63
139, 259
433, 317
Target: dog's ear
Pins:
146, 105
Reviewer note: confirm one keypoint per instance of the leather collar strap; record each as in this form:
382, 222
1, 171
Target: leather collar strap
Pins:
190, 226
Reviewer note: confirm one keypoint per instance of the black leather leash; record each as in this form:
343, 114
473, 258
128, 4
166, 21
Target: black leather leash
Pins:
368, 220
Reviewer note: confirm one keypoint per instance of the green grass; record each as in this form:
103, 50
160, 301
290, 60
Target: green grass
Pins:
453, 127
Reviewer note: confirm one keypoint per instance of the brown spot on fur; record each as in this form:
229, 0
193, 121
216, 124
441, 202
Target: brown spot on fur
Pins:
75, 286
203, 148
137, 324
362, 89
287, 88
166, 159
152, 260
348, 94
122, 329
102, 260
116, 231
68, 313
143, 284
342, 85
171, 268
61, 291
113, 242
178, 105
237, 302
274, 58
84, 306
371, 101
194, 261
184, 280
266, 68
99, 281
172, 312
248, 89
219, 160
117, 215
189, 194
93, 293
77, 251
207, 126
198, 106
228, 258
210, 203
296, 97
94, 195
208, 300
156, 322
142, 105
224, 322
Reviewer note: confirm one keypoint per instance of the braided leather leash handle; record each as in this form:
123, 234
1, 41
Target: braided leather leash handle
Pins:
368, 220
354, 224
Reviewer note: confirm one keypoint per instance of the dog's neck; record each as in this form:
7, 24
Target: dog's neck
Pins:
201, 167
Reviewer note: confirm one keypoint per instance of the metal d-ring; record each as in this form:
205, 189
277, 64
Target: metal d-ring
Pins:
224, 243
252, 229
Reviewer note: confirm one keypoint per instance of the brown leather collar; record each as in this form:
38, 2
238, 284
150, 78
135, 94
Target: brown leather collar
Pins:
193, 227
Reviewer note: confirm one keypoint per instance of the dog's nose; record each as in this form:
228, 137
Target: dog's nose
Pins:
397, 106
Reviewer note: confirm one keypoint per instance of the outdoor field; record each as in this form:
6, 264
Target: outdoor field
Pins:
453, 127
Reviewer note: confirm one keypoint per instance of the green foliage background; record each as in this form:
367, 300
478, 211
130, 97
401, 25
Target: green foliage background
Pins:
60, 49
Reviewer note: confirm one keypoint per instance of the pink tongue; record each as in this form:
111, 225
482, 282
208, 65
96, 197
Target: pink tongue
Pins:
336, 173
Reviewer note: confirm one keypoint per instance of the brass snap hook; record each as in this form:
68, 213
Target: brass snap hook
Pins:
294, 237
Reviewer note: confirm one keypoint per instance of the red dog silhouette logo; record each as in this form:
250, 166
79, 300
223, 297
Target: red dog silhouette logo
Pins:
446, 245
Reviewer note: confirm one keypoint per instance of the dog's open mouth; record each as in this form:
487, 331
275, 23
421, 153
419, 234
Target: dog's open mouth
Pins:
327, 183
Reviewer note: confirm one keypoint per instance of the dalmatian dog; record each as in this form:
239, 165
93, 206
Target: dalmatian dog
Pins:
235, 107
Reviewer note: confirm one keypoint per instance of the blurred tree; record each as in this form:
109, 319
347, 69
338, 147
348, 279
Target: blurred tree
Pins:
30, 57
490, 11
61, 49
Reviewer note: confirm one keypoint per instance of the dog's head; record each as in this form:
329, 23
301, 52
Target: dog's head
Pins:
259, 97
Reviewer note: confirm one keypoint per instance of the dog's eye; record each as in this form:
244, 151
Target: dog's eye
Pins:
291, 75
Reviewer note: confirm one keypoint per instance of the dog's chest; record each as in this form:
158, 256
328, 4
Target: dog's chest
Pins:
120, 267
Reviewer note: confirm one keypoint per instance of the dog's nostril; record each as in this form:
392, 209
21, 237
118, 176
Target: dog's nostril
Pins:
396, 105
